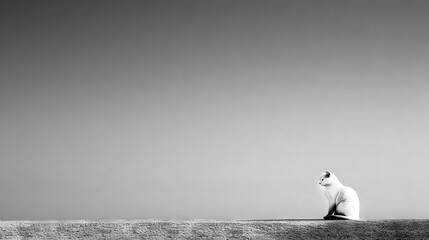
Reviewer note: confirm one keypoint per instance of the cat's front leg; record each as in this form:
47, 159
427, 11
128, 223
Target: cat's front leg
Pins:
331, 209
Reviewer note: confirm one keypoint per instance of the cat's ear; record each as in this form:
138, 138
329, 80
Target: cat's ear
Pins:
327, 174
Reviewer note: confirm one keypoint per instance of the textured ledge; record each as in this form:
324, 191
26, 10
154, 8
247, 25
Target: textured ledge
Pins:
201, 229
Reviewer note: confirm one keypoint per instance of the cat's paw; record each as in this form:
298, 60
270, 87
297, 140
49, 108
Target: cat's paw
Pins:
336, 217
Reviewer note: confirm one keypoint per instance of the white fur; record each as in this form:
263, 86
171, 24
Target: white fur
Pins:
343, 201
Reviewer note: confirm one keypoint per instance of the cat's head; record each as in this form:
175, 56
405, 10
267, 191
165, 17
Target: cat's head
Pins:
326, 178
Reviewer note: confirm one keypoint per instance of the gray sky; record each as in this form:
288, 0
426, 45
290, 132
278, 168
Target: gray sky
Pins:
212, 109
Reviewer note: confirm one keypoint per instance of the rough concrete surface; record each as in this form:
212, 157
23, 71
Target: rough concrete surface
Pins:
201, 229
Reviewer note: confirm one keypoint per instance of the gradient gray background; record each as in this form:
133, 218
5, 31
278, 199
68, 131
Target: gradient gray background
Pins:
212, 109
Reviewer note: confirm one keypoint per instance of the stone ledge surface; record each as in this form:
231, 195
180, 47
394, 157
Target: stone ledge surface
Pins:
202, 229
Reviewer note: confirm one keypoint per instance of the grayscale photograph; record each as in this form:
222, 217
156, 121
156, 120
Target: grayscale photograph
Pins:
214, 119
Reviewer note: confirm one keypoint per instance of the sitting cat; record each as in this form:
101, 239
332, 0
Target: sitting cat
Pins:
343, 201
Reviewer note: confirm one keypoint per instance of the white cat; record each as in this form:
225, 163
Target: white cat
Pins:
343, 201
